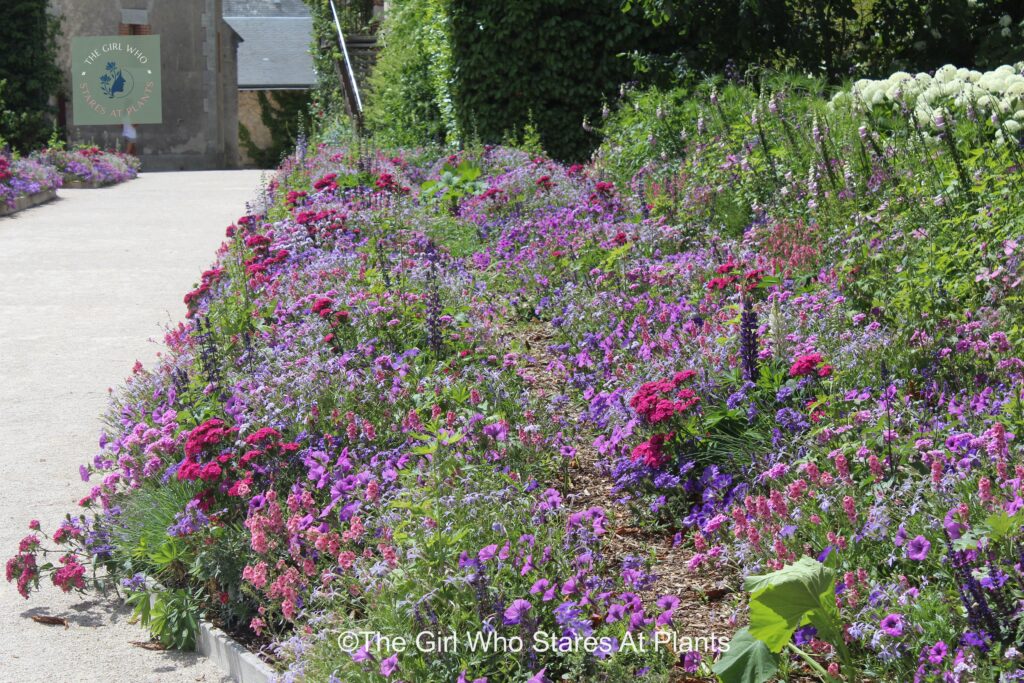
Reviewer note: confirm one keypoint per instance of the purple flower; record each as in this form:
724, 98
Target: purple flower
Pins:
488, 552
389, 666
516, 611
804, 635
691, 660
668, 602
918, 548
892, 625
615, 612
538, 677
937, 653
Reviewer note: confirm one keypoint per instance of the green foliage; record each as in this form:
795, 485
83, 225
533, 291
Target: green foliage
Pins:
29, 75
837, 38
455, 183
409, 101
285, 113
781, 602
747, 660
551, 63
172, 616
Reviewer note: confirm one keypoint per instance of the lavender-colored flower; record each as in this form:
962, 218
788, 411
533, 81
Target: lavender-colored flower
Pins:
191, 520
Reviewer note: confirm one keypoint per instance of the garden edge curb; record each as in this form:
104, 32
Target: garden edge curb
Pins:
28, 201
238, 662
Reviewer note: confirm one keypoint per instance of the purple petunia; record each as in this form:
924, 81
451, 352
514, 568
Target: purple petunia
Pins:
516, 611
918, 548
892, 625
488, 552
389, 666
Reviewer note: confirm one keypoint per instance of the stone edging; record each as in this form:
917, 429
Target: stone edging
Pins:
83, 185
239, 663
28, 201
233, 658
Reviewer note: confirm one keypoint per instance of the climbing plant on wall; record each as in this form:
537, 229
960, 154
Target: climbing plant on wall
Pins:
285, 113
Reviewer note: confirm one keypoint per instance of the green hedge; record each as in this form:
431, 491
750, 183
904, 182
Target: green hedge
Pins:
29, 75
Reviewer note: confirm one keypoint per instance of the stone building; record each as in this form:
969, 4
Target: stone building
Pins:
200, 78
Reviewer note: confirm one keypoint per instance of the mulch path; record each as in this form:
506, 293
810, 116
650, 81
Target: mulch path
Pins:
706, 596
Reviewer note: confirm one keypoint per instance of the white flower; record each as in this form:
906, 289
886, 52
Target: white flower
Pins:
1005, 20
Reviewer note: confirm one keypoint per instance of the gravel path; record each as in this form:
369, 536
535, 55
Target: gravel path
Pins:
86, 282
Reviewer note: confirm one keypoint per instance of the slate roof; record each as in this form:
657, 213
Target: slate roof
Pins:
274, 53
265, 8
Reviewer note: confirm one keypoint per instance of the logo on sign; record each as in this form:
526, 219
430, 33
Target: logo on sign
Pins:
116, 83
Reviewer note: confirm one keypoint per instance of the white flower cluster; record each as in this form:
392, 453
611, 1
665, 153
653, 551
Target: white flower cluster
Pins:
997, 95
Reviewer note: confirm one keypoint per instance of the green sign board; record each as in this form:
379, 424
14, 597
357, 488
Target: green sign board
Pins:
116, 79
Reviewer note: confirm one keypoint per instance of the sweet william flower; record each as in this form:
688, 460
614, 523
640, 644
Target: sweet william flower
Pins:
807, 365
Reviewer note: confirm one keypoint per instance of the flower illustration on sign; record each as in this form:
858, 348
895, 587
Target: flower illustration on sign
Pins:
116, 83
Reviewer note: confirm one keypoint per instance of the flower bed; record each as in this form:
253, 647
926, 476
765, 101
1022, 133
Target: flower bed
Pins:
793, 350
91, 166
24, 178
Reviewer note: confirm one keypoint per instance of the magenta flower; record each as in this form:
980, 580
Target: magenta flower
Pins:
488, 552
892, 625
918, 548
937, 653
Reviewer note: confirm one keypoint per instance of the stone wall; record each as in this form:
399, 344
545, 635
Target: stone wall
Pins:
199, 74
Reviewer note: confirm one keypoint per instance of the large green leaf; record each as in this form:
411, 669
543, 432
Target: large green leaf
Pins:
780, 602
747, 660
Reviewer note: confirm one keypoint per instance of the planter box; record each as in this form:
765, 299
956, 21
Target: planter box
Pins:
28, 201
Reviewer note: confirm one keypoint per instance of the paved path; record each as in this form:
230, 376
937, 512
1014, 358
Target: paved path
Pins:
86, 283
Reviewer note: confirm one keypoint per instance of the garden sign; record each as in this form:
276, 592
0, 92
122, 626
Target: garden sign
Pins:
116, 79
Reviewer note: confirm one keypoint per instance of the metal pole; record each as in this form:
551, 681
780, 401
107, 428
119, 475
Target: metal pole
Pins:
348, 62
